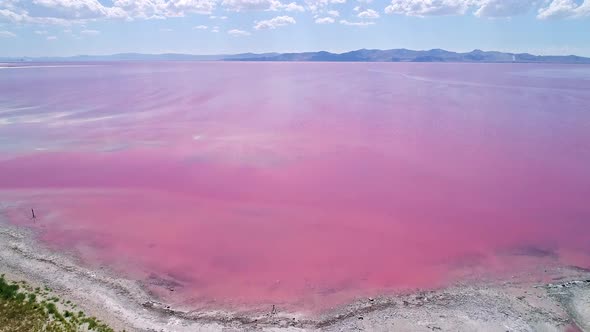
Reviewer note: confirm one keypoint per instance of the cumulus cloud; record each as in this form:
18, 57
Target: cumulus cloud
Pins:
428, 7
10, 15
166, 30
241, 5
60, 12
181, 7
491, 8
143, 8
215, 29
324, 20
6, 34
78, 9
200, 27
317, 6
274, 23
41, 32
565, 9
69, 12
238, 33
293, 7
51, 38
164, 8
368, 13
21, 16
90, 32
358, 24
504, 8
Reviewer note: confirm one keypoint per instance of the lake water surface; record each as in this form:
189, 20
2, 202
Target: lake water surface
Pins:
302, 184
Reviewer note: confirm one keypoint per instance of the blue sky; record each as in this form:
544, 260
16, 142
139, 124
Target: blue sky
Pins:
70, 27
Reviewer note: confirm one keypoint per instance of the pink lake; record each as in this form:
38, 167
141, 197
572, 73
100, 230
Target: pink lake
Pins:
301, 184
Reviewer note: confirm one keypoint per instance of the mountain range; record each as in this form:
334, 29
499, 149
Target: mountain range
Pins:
362, 55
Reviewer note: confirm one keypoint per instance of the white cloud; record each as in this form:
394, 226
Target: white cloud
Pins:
503, 8
490, 8
166, 30
143, 8
69, 12
56, 12
293, 7
564, 9
429, 7
78, 9
241, 5
22, 16
181, 7
6, 34
318, 6
324, 20
200, 27
90, 32
275, 22
51, 38
215, 29
238, 33
10, 15
359, 24
68, 31
81, 11
368, 13
41, 32
164, 8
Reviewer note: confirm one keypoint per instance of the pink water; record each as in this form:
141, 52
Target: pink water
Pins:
304, 184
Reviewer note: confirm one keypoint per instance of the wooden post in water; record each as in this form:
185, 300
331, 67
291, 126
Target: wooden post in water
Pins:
34, 217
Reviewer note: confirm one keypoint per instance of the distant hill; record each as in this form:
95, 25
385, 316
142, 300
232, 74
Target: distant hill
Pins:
362, 55
139, 57
404, 55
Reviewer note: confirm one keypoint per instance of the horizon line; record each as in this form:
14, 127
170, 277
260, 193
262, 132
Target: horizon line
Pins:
288, 52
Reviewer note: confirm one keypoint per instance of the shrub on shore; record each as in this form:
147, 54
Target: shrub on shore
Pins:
24, 309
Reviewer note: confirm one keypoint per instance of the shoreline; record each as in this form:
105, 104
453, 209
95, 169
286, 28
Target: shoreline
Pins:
512, 305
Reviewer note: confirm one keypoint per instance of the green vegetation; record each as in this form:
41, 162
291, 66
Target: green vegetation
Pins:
24, 309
